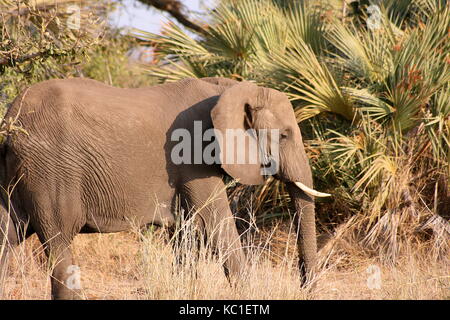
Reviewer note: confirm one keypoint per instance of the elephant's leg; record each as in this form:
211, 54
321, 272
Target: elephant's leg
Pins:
186, 247
65, 278
56, 239
221, 231
56, 222
208, 202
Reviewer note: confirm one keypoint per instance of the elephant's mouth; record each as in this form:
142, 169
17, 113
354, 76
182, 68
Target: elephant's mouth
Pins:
309, 191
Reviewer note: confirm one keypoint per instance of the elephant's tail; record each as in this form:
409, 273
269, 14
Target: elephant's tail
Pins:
4, 198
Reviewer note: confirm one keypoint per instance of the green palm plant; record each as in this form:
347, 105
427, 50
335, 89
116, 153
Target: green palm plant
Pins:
373, 103
238, 42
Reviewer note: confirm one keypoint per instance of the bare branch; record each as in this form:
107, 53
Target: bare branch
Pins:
12, 61
174, 8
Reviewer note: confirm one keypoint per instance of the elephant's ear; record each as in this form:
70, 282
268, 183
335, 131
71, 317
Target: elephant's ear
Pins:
234, 111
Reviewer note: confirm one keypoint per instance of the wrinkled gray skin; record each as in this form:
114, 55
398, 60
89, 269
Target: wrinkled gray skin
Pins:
97, 159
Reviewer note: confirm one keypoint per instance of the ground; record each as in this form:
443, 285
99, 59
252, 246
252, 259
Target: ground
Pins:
128, 266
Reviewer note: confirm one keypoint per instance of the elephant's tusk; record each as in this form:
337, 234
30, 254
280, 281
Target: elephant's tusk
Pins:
310, 191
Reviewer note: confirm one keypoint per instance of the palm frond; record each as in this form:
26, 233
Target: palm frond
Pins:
309, 80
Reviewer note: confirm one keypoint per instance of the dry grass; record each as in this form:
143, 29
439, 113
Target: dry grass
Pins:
134, 266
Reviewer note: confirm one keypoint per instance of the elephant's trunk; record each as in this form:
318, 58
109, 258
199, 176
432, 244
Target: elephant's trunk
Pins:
306, 231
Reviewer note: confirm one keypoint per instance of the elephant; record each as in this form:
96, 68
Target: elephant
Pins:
80, 156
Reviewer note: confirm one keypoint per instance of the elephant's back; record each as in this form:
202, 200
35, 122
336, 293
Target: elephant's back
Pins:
82, 107
60, 97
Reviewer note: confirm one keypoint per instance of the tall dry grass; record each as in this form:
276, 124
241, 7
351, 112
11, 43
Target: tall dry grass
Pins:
137, 265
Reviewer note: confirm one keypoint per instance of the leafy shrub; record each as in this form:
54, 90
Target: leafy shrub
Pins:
372, 102
38, 43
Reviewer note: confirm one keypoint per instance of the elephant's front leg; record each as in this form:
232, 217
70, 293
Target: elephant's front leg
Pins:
206, 199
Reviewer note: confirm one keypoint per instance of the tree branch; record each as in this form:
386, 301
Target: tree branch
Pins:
174, 8
11, 61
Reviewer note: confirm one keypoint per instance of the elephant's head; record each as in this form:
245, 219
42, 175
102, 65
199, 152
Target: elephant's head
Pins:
247, 106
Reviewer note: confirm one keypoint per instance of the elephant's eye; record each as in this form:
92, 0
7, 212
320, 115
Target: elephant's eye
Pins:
284, 135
